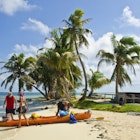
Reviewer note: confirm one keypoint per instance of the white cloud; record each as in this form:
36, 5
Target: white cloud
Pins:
36, 25
48, 44
27, 50
94, 46
137, 38
91, 61
10, 7
30, 50
129, 18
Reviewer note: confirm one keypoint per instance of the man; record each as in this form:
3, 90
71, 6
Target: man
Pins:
10, 103
63, 108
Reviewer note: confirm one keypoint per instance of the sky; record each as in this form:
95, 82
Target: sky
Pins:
24, 25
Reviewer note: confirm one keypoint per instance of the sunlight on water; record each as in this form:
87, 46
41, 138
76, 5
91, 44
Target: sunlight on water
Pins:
28, 95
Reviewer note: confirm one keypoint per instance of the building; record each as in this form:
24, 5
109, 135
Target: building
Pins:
129, 97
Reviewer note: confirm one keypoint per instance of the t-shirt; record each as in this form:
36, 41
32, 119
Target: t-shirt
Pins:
9, 102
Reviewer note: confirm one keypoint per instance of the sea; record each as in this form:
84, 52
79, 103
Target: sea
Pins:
28, 95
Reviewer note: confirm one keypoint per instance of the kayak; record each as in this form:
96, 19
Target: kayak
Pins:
46, 120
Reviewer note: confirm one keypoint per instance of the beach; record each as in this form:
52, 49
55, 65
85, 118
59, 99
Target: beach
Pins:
114, 126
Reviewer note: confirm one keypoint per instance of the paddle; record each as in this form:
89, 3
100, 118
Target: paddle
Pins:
99, 118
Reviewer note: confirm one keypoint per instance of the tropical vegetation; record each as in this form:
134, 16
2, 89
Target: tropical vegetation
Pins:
124, 56
76, 35
55, 72
96, 81
88, 104
18, 68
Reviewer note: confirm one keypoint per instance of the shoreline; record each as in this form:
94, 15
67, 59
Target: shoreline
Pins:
114, 126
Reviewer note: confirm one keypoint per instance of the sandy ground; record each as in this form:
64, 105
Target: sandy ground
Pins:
114, 126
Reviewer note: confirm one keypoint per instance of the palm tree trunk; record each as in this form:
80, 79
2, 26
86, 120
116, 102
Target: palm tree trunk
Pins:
84, 72
90, 94
116, 94
19, 85
45, 95
52, 89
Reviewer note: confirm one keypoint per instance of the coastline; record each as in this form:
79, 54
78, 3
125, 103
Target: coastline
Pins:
115, 126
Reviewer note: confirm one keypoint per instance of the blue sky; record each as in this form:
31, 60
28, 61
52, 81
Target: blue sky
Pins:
25, 23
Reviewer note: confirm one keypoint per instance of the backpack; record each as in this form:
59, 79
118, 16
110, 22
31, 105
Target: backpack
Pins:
72, 119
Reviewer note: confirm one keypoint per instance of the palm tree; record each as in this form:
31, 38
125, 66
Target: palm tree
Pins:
76, 36
39, 77
61, 71
96, 81
18, 67
56, 67
125, 54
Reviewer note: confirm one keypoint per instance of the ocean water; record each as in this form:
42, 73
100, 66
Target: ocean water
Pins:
28, 95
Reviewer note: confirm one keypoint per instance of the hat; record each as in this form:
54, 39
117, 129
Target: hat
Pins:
21, 94
9, 93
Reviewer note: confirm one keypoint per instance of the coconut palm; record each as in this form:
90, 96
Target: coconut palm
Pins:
56, 67
61, 71
18, 67
96, 81
76, 36
39, 77
125, 54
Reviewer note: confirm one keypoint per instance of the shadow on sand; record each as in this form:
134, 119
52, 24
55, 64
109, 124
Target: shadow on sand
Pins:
7, 128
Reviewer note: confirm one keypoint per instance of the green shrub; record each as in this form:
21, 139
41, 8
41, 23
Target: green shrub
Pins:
88, 104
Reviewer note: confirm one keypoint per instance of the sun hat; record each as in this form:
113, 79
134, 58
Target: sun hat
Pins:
21, 94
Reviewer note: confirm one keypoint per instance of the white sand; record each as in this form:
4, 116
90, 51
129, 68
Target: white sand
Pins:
115, 126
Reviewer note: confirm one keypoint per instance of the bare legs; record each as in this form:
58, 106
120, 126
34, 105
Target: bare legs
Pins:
19, 124
25, 119
11, 114
6, 115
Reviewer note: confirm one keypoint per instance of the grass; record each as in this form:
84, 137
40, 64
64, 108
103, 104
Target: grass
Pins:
88, 104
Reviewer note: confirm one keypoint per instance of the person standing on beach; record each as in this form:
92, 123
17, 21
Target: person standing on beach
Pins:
23, 107
63, 108
10, 102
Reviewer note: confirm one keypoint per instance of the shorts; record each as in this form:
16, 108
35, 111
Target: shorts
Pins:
23, 110
63, 113
12, 110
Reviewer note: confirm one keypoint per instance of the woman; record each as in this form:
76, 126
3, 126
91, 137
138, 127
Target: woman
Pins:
23, 107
